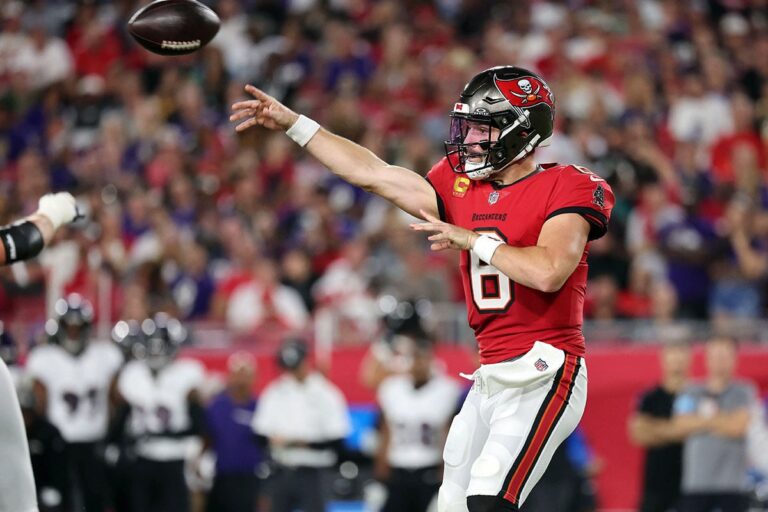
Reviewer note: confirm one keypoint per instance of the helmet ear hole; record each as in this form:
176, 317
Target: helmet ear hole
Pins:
524, 134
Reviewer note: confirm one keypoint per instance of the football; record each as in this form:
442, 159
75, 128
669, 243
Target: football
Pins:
173, 27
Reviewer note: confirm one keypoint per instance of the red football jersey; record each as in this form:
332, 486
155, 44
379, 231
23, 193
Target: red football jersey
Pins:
508, 317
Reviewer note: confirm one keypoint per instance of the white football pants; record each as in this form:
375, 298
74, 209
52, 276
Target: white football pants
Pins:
17, 485
513, 419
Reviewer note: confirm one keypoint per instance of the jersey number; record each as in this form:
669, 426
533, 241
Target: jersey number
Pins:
492, 291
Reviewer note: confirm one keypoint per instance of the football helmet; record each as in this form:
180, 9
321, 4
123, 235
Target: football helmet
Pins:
292, 353
163, 336
70, 328
404, 320
130, 339
503, 114
9, 351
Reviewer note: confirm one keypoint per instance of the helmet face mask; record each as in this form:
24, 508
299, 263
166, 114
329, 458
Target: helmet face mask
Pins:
514, 106
472, 142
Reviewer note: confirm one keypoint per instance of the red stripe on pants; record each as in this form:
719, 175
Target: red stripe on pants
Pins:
552, 412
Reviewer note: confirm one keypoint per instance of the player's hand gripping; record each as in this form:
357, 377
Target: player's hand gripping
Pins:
447, 236
263, 110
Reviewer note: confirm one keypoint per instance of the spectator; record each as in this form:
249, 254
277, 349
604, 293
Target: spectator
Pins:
714, 417
651, 428
45, 60
193, 286
229, 436
264, 302
298, 274
303, 417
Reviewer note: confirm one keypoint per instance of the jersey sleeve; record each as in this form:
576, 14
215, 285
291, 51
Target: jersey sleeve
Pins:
579, 190
443, 180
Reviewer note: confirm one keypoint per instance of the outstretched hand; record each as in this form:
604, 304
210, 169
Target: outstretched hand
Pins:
447, 236
263, 110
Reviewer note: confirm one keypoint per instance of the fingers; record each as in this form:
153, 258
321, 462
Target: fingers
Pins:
257, 93
440, 246
247, 124
247, 104
428, 226
242, 114
430, 218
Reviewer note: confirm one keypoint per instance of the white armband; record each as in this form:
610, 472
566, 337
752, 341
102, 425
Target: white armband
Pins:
302, 130
485, 246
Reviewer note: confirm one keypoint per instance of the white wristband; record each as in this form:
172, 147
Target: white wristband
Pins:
302, 130
485, 246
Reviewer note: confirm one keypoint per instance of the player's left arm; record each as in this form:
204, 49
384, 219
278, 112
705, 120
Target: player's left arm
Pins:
545, 266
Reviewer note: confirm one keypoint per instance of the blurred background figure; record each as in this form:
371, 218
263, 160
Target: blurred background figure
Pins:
416, 410
47, 448
71, 377
228, 434
119, 451
392, 353
714, 417
651, 427
304, 419
166, 415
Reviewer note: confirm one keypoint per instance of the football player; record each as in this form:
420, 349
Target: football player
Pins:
119, 450
166, 415
522, 229
393, 352
71, 377
20, 241
416, 409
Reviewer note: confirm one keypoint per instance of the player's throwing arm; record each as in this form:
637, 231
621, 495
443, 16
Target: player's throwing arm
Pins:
351, 162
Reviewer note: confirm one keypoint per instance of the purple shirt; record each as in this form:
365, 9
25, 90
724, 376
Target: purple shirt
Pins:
233, 441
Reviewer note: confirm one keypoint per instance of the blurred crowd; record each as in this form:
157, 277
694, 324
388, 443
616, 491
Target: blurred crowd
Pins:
667, 100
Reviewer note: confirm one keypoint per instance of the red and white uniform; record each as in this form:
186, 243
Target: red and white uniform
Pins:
531, 390
508, 317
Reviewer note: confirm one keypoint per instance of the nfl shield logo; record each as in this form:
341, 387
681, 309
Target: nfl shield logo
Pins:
493, 197
541, 365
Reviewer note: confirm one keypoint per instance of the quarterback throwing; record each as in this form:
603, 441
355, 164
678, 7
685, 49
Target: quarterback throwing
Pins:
523, 230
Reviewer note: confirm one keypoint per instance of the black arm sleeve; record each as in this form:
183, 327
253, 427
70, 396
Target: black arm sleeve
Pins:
21, 241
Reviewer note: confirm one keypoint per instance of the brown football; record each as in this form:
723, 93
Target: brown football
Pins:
173, 27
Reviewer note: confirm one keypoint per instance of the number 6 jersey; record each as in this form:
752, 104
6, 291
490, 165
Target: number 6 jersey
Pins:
508, 317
